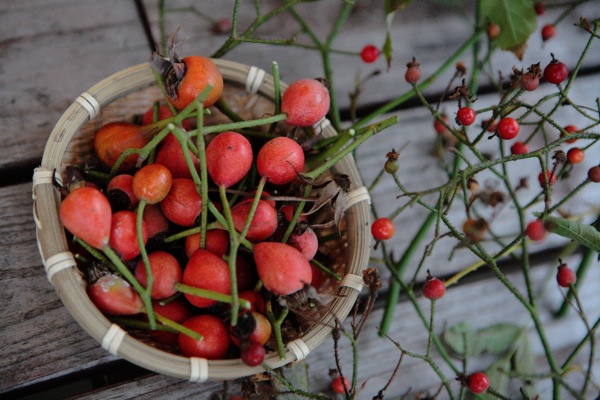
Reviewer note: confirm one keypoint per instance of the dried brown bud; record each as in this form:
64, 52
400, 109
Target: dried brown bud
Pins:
372, 279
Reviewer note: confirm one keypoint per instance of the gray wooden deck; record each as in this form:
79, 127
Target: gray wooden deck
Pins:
55, 49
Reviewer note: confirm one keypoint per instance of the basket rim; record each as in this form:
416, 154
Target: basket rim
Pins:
60, 265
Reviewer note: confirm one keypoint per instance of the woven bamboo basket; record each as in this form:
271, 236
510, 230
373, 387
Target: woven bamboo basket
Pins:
132, 91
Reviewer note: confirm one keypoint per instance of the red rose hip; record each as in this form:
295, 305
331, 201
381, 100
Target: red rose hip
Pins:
215, 338
282, 268
305, 102
433, 288
280, 160
228, 158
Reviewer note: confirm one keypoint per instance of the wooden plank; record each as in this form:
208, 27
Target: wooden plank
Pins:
73, 35
75, 45
41, 341
32, 304
378, 356
420, 170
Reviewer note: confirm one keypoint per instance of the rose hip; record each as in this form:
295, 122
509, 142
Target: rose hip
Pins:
177, 310
228, 158
152, 183
307, 243
87, 214
170, 154
113, 295
155, 220
217, 242
305, 102
123, 234
183, 204
205, 270
280, 160
215, 338
119, 192
260, 333
253, 354
264, 222
114, 138
166, 272
282, 268
199, 73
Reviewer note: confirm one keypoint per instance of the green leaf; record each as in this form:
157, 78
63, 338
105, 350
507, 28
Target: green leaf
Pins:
516, 18
498, 338
499, 377
495, 339
456, 336
524, 363
585, 235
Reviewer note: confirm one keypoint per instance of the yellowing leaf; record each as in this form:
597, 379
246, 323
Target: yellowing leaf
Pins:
516, 18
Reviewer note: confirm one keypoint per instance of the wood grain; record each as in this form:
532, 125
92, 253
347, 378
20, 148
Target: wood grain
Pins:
71, 45
76, 44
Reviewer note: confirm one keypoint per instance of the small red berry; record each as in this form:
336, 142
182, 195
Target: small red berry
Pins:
439, 126
340, 384
383, 229
548, 31
369, 53
478, 382
575, 155
465, 116
519, 148
222, 25
539, 8
556, 72
493, 31
253, 354
565, 276
569, 129
475, 229
551, 177
536, 230
413, 71
529, 81
433, 288
594, 174
508, 128
490, 125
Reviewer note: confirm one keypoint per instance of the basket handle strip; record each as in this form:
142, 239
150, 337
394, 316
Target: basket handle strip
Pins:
90, 103
299, 348
357, 195
198, 369
57, 263
254, 79
42, 176
352, 281
113, 338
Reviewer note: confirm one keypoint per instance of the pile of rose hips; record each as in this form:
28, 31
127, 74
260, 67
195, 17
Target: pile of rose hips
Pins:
208, 296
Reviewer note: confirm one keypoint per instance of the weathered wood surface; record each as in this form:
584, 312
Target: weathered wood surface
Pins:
49, 65
73, 44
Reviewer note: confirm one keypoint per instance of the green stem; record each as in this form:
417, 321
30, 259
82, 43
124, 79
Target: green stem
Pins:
399, 267
371, 130
426, 82
211, 294
276, 324
124, 271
